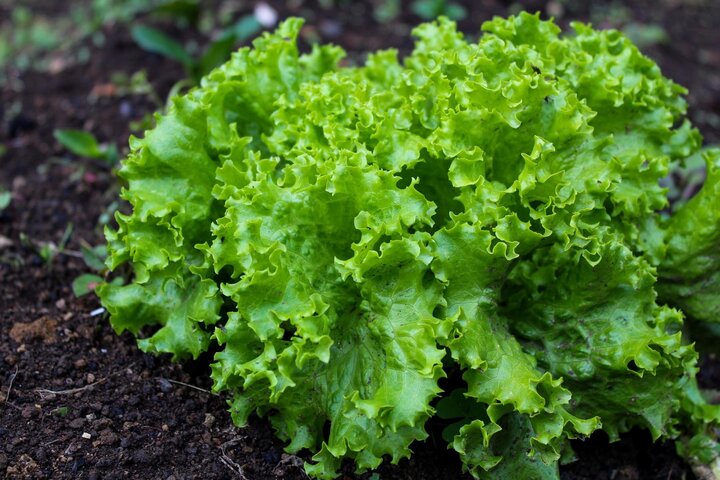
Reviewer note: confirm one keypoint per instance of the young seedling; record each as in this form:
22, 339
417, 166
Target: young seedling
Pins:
156, 41
5, 199
94, 258
84, 144
49, 250
431, 9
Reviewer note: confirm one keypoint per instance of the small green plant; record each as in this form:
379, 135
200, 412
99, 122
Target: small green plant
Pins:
84, 144
344, 237
431, 9
85, 284
107, 214
155, 41
387, 10
135, 84
187, 11
644, 35
94, 258
48, 250
32, 41
5, 199
60, 411
29, 36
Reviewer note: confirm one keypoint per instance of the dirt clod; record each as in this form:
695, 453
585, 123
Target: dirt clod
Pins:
107, 437
29, 412
41, 329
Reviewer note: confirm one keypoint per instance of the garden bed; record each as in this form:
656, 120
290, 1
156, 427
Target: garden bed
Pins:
77, 401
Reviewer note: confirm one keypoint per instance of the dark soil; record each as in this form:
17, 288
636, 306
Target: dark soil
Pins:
78, 401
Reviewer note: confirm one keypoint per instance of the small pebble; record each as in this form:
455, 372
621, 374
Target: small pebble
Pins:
107, 437
165, 386
77, 424
143, 456
40, 455
126, 109
265, 15
555, 9
29, 412
331, 28
209, 420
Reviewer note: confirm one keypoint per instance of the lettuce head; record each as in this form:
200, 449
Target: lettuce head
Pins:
476, 231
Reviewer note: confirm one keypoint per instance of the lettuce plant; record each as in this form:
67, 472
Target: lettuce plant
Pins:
475, 230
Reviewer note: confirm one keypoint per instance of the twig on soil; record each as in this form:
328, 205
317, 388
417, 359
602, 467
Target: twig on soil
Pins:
228, 462
234, 467
45, 393
12, 379
61, 439
69, 448
10, 404
71, 253
292, 461
188, 385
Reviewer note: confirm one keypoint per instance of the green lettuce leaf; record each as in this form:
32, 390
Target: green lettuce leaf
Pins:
690, 272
